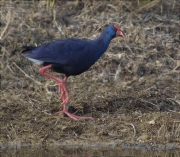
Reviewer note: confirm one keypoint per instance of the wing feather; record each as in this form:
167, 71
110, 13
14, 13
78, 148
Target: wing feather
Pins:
60, 51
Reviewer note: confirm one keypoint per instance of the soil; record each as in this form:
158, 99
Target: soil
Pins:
132, 92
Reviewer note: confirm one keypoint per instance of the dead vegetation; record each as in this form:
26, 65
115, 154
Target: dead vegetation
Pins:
133, 91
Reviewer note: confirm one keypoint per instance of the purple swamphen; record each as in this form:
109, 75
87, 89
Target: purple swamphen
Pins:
71, 56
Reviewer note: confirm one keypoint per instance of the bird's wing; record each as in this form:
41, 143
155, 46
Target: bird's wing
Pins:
60, 51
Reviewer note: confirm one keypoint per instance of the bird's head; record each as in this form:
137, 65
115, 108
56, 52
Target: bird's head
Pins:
115, 31
119, 32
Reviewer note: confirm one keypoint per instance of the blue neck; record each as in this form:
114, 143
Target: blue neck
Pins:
102, 43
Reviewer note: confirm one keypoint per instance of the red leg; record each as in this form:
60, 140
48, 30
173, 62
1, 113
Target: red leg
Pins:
63, 90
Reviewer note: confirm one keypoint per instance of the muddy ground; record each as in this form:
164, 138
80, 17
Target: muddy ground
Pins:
132, 92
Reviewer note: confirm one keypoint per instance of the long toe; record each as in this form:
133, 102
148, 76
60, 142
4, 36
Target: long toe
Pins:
73, 116
77, 117
67, 113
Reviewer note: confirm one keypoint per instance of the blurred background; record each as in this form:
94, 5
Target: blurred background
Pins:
133, 90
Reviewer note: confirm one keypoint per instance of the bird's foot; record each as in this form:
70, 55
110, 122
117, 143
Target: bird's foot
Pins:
73, 116
63, 90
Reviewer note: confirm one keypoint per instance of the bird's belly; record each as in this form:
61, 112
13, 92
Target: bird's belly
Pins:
71, 69
77, 69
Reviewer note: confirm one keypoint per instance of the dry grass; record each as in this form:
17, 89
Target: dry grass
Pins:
133, 91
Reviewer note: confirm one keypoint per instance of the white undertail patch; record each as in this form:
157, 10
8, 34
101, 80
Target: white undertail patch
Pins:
39, 62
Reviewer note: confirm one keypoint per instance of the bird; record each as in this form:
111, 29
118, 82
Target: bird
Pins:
71, 57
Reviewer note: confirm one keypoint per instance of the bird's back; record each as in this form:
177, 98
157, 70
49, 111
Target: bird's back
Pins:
69, 56
73, 56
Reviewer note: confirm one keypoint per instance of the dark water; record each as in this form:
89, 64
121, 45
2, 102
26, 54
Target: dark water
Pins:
86, 152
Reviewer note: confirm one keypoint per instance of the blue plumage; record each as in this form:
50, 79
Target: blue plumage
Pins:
71, 56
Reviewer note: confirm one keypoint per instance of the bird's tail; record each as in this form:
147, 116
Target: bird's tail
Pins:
27, 52
28, 49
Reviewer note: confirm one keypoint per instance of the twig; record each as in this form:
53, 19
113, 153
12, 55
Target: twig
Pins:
170, 57
134, 130
147, 6
8, 22
174, 112
130, 49
173, 100
149, 103
178, 65
39, 83
177, 49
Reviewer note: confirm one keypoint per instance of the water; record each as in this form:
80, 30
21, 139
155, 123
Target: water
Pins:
86, 152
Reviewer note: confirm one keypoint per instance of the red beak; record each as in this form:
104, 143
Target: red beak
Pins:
119, 31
